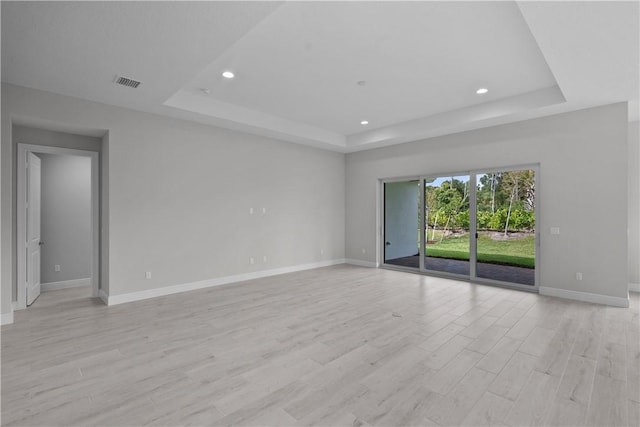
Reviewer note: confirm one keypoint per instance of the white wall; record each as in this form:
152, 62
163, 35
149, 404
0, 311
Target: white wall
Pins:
634, 204
401, 219
179, 195
66, 217
582, 183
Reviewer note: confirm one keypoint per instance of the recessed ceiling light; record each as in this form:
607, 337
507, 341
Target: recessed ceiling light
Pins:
364, 122
228, 75
482, 91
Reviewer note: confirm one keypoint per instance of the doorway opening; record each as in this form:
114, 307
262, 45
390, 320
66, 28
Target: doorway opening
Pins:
401, 223
57, 221
478, 225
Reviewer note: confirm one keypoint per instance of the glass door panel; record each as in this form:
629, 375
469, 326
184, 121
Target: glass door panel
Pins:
505, 221
446, 231
401, 223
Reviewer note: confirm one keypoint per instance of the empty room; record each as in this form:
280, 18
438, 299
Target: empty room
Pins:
283, 213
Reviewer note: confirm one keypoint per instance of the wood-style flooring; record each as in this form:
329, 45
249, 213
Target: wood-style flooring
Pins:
341, 345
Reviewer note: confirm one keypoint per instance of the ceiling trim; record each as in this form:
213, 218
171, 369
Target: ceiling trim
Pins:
253, 121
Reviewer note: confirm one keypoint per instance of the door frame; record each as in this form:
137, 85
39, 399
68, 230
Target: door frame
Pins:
381, 237
473, 177
23, 149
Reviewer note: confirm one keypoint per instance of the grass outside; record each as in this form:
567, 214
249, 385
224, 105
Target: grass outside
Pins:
518, 252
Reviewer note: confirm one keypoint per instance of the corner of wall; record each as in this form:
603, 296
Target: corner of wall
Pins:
633, 208
6, 318
103, 296
104, 217
6, 287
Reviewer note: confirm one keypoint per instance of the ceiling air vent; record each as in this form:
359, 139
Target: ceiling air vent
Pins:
126, 81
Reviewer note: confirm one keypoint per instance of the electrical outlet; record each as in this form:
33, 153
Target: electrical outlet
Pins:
56, 267
250, 211
321, 251
264, 211
264, 258
147, 275
252, 261
578, 276
364, 251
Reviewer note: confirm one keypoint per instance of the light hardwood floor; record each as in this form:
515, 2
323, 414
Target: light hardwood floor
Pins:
340, 345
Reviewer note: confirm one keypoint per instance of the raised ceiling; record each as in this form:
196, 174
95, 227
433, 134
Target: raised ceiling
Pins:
310, 72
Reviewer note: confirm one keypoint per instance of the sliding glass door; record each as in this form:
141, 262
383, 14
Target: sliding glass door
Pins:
505, 222
446, 231
479, 225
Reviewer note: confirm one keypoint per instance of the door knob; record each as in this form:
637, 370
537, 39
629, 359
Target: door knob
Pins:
40, 243
387, 243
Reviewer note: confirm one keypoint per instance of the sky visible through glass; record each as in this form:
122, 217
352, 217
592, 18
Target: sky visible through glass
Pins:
437, 182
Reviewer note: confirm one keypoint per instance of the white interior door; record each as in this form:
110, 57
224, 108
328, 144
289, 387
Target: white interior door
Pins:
33, 227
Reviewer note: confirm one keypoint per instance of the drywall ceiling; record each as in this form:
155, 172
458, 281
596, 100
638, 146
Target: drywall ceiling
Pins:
310, 72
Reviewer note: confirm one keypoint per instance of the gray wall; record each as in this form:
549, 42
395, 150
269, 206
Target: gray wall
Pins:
34, 135
179, 195
66, 217
582, 182
634, 202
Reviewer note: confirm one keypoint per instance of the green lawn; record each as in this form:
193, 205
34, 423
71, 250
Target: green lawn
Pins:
518, 252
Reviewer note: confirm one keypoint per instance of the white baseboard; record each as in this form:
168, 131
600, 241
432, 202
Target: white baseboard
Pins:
6, 318
361, 263
585, 297
634, 287
76, 283
184, 287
